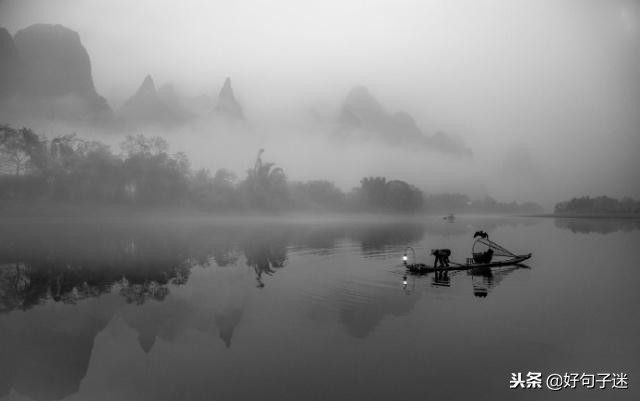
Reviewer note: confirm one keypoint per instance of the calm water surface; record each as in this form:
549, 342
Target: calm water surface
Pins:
115, 310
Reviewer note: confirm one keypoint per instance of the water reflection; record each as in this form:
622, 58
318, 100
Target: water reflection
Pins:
71, 263
360, 306
485, 280
265, 251
597, 225
62, 284
441, 279
375, 239
46, 353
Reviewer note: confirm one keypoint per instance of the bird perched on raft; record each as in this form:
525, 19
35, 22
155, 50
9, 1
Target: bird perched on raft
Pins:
481, 234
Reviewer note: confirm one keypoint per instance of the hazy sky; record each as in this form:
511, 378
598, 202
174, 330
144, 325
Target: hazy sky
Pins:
546, 92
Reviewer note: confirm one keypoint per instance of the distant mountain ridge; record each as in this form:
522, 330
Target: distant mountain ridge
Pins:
228, 106
45, 72
9, 65
55, 73
361, 111
147, 107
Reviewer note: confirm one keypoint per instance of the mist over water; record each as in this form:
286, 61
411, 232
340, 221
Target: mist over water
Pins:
544, 95
249, 199
195, 309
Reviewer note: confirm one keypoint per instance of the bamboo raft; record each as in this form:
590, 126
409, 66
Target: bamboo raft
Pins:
420, 268
478, 261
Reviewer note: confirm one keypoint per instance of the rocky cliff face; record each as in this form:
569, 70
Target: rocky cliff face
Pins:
9, 65
56, 63
148, 107
360, 109
56, 73
228, 106
361, 112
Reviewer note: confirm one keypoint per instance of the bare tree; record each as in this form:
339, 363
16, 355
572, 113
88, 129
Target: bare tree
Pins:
20, 150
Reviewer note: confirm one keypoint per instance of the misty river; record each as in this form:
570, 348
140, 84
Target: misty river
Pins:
312, 310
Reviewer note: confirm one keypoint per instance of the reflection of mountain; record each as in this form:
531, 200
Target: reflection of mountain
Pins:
229, 307
362, 113
61, 284
374, 304
45, 353
219, 306
361, 304
156, 319
227, 322
597, 225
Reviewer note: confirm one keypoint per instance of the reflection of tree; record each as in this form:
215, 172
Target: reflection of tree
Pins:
13, 282
26, 283
68, 263
597, 225
221, 246
74, 263
50, 348
225, 256
140, 293
265, 251
71, 262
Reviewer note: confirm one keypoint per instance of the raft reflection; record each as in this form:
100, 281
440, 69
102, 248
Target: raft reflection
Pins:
61, 285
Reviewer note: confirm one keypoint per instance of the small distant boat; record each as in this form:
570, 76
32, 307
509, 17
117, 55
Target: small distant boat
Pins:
449, 217
481, 258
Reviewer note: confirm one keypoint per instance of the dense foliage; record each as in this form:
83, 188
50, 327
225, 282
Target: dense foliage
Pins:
70, 169
597, 205
460, 203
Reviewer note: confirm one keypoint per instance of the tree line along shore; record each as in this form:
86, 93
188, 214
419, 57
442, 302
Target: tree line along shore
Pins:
37, 173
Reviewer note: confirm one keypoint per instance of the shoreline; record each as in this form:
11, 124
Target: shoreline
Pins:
88, 212
587, 215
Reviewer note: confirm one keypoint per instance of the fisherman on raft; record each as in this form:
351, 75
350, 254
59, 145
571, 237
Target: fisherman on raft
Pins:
442, 256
